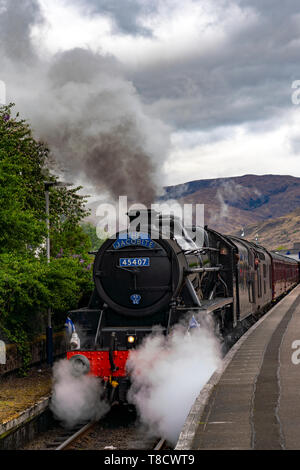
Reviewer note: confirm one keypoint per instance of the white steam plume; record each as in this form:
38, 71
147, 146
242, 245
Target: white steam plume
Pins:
75, 400
167, 375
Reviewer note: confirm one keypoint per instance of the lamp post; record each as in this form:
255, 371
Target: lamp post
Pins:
49, 332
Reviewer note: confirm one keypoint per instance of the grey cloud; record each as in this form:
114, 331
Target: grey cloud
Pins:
125, 13
16, 20
81, 66
272, 8
248, 78
294, 142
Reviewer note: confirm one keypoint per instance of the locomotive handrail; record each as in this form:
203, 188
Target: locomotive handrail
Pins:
99, 326
209, 306
202, 270
202, 250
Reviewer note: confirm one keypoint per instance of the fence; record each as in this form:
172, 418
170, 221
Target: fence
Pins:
38, 352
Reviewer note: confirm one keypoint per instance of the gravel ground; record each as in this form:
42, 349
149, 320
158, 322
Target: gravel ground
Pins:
19, 393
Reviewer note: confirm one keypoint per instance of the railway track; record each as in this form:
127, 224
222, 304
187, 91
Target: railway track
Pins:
104, 434
160, 445
68, 439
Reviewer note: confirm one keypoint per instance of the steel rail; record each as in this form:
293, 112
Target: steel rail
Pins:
160, 444
74, 436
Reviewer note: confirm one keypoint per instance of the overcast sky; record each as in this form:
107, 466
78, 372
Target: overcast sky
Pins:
217, 73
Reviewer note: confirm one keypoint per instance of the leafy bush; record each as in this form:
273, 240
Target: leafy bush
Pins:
28, 286
91, 231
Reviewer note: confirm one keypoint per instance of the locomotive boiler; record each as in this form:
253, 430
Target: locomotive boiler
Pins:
157, 273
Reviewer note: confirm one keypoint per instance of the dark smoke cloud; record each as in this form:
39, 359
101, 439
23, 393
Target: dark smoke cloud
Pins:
123, 174
92, 118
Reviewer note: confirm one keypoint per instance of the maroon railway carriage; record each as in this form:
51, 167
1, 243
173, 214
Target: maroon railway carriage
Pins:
285, 274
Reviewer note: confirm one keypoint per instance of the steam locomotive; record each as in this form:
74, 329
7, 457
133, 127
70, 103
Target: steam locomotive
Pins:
146, 277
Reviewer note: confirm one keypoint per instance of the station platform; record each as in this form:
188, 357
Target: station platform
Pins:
18, 394
253, 401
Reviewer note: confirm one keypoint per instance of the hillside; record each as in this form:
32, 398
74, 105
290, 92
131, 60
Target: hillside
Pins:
274, 233
233, 203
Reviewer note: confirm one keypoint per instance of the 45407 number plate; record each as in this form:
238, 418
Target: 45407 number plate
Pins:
134, 262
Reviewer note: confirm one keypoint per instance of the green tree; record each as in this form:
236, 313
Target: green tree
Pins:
28, 284
91, 231
24, 166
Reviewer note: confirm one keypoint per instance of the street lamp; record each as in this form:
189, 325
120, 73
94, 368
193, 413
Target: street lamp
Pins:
49, 333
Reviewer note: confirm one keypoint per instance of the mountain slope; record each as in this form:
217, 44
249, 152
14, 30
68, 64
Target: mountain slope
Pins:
274, 233
232, 203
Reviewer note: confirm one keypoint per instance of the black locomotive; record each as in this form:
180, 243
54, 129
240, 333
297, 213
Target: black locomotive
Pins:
144, 278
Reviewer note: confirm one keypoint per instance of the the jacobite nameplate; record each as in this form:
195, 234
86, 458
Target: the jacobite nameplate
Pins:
136, 239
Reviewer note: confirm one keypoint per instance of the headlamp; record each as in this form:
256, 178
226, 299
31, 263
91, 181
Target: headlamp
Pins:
131, 339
